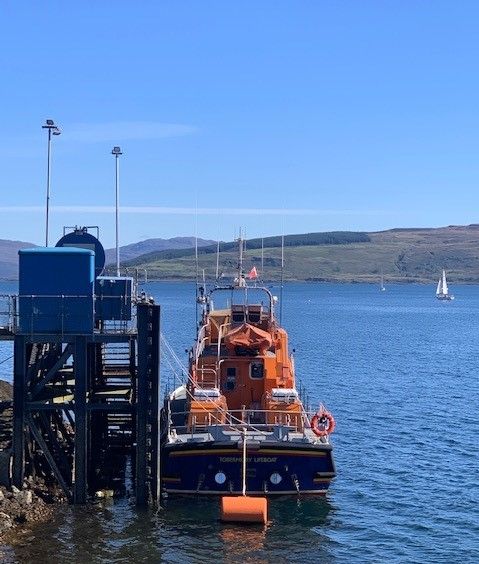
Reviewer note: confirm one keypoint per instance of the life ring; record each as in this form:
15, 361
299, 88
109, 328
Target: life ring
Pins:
317, 423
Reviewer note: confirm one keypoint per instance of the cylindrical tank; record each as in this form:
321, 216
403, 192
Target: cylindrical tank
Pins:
81, 239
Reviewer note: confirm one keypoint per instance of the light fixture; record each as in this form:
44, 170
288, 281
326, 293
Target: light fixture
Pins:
52, 128
275, 478
116, 151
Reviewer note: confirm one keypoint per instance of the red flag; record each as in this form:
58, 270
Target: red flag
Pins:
253, 273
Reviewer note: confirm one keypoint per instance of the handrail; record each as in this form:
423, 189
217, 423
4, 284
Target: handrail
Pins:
244, 416
202, 370
14, 307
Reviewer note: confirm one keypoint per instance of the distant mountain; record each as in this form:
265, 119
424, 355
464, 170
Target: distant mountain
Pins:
9, 257
130, 252
402, 255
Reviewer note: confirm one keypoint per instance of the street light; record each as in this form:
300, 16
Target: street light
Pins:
52, 129
117, 152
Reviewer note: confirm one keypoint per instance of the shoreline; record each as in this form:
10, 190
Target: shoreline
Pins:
36, 501
319, 280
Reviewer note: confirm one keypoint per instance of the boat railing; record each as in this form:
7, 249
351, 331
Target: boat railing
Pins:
207, 378
236, 420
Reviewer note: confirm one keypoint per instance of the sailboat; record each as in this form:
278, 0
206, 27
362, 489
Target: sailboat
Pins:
382, 287
442, 291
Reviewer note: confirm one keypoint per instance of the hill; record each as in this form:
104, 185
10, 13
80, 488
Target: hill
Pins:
9, 257
130, 252
404, 255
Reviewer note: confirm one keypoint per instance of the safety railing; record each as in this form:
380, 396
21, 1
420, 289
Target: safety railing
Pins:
236, 420
207, 378
8, 313
67, 314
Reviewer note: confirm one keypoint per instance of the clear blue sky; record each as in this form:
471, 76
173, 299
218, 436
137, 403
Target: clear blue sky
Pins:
275, 116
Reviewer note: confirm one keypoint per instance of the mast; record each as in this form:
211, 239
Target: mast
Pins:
241, 280
218, 259
282, 280
196, 260
262, 258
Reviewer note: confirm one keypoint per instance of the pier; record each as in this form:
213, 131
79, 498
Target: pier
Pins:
86, 376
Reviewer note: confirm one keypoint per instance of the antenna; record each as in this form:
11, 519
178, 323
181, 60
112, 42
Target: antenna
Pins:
282, 280
241, 280
196, 256
241, 251
262, 258
218, 260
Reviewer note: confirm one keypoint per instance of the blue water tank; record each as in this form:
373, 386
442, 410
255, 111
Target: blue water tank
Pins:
81, 239
56, 290
113, 298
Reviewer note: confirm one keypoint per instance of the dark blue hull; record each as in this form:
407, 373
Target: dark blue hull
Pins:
274, 468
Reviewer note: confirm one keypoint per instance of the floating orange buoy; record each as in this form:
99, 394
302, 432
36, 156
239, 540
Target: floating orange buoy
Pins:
244, 509
318, 420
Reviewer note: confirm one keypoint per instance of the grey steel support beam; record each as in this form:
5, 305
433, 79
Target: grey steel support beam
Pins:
19, 378
53, 370
81, 420
54, 441
153, 410
147, 460
48, 455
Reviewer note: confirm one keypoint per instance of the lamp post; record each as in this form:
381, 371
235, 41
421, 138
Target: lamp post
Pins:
117, 152
52, 129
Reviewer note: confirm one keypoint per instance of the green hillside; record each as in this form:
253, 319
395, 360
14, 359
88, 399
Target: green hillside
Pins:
404, 255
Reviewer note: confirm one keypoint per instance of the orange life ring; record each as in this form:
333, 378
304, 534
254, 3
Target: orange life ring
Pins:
320, 430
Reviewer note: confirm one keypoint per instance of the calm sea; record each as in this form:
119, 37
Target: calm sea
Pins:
400, 372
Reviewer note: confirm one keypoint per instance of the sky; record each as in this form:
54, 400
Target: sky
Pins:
274, 116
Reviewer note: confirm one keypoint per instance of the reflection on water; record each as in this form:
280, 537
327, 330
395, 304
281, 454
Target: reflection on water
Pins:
388, 364
186, 530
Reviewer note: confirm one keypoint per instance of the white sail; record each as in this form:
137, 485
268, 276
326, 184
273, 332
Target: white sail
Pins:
444, 283
439, 287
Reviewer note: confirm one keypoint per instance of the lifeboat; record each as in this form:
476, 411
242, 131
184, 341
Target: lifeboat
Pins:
237, 426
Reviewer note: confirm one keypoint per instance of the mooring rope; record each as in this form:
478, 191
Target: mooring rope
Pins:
6, 359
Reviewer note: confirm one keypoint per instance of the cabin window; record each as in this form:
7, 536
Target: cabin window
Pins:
230, 382
256, 370
254, 314
238, 314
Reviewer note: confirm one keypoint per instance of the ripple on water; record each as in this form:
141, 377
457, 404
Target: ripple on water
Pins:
399, 371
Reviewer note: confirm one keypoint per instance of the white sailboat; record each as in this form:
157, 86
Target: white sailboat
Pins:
442, 291
382, 287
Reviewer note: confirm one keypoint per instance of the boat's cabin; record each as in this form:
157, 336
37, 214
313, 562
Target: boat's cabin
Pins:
240, 368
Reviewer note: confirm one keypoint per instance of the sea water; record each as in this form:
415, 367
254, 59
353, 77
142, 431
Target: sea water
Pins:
400, 372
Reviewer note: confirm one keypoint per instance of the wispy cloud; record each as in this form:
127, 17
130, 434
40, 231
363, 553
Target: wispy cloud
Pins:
119, 131
157, 210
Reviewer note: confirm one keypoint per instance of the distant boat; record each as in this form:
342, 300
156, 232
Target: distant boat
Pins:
442, 291
382, 287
